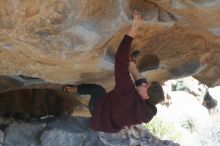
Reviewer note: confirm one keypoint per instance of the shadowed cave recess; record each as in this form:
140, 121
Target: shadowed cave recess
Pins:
24, 97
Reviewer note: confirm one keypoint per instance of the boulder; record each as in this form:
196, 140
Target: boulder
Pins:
67, 130
70, 41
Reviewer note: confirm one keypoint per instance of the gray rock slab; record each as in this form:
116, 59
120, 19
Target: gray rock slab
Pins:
1, 137
58, 137
71, 131
23, 134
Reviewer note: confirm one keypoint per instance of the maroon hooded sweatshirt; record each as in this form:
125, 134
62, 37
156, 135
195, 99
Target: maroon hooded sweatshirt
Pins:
122, 106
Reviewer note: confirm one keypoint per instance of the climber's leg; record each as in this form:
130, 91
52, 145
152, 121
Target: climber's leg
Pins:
96, 91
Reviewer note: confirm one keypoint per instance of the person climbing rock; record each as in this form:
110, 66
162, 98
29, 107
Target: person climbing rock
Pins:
129, 103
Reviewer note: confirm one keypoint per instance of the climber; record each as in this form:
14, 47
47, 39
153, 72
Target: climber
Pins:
126, 104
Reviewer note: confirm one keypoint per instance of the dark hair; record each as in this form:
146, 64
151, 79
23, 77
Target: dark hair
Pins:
155, 93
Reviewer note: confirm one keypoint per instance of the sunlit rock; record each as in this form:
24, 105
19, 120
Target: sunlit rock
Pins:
67, 41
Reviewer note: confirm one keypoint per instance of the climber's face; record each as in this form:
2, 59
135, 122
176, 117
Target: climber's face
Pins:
142, 90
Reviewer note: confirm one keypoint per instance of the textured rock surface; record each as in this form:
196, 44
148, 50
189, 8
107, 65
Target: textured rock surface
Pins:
25, 134
1, 137
27, 103
66, 131
74, 41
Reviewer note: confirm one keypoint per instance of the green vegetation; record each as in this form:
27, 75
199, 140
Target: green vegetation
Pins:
163, 130
189, 124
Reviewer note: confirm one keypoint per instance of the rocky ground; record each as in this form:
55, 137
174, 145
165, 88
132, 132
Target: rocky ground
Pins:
71, 131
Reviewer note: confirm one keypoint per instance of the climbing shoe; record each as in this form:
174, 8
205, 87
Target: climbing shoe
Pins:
66, 87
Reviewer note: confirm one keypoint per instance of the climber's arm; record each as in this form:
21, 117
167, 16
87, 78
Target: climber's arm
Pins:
136, 23
123, 79
134, 71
